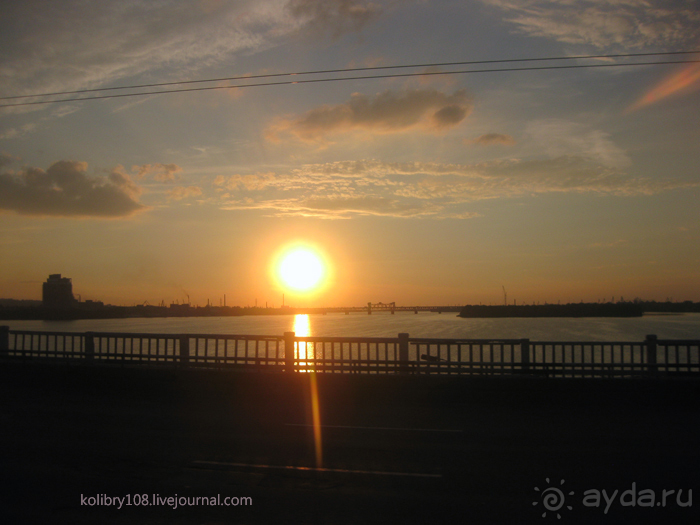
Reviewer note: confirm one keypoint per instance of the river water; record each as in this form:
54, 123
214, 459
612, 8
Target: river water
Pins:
384, 324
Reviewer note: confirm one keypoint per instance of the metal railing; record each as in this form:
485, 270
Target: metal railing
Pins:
367, 355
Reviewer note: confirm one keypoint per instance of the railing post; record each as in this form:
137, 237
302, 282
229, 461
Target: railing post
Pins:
89, 345
403, 353
4, 339
652, 366
184, 350
289, 338
525, 355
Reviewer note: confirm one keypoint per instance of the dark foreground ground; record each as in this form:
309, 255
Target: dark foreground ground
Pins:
481, 445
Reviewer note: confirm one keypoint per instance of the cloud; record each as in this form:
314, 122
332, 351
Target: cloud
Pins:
491, 139
7, 159
65, 190
159, 172
413, 189
119, 178
255, 181
387, 112
606, 23
182, 192
558, 137
68, 45
15, 133
72, 45
365, 205
339, 207
334, 16
64, 110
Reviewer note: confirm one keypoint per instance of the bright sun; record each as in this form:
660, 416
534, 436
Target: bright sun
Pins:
301, 269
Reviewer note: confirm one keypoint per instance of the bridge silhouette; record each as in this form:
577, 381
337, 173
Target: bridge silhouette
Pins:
384, 307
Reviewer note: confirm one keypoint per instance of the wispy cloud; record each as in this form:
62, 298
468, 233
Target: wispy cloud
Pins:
184, 192
158, 172
115, 40
69, 45
66, 190
371, 187
387, 112
15, 133
558, 137
339, 206
7, 159
334, 16
605, 23
491, 139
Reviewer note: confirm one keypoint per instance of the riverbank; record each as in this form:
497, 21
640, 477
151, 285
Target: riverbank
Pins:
478, 445
83, 311
555, 310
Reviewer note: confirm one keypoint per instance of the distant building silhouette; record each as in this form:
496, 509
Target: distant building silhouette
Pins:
57, 292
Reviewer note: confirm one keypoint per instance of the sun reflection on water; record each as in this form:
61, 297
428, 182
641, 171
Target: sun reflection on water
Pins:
302, 327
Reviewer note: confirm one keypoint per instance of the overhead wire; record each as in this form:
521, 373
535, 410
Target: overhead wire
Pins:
341, 79
347, 70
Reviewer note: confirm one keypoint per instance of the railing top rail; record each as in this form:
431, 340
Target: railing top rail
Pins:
231, 336
45, 332
683, 342
321, 339
590, 343
134, 335
428, 340
148, 335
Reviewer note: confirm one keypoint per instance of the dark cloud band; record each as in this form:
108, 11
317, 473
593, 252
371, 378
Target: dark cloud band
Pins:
66, 190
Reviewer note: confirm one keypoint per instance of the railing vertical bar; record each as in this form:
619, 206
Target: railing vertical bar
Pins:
566, 359
675, 347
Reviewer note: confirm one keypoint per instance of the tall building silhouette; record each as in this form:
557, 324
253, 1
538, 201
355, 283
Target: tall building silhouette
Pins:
57, 292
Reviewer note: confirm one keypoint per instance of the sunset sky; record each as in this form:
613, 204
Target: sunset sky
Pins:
436, 189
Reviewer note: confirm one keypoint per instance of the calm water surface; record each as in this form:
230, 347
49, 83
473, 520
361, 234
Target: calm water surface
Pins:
383, 324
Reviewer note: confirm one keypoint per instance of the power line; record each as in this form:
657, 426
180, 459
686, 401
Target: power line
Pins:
348, 70
342, 79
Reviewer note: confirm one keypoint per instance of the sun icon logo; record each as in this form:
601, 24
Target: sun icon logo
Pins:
553, 499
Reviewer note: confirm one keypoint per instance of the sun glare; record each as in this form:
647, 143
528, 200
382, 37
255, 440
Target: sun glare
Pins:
301, 270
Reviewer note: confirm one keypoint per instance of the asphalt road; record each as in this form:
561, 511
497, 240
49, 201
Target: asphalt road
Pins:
394, 449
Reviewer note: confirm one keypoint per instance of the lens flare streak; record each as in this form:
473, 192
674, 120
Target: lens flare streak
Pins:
316, 415
302, 328
684, 80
